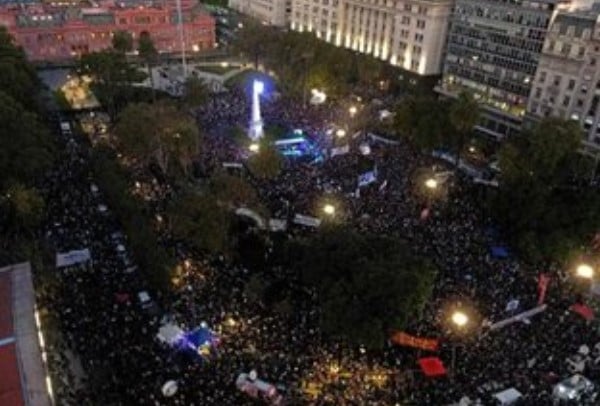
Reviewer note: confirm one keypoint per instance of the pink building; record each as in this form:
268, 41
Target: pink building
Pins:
50, 33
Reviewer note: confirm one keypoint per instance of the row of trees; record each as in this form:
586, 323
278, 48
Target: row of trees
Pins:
26, 149
303, 62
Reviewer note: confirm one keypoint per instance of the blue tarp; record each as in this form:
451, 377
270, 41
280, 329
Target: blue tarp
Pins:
499, 252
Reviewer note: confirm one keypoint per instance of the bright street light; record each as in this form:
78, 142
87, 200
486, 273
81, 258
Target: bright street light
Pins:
431, 183
352, 110
340, 133
329, 209
585, 271
254, 147
459, 319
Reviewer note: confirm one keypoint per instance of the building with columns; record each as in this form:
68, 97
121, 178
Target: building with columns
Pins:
271, 12
407, 33
567, 81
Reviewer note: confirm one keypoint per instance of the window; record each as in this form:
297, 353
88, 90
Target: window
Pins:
421, 24
566, 49
419, 37
566, 101
542, 77
405, 20
557, 79
538, 92
571, 85
579, 102
581, 52
407, 7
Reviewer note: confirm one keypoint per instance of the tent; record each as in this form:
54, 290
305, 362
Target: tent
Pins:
499, 251
508, 396
170, 334
432, 366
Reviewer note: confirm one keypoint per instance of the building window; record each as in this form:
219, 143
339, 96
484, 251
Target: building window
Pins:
405, 20
571, 85
407, 7
566, 101
421, 24
557, 79
542, 77
419, 37
538, 92
579, 102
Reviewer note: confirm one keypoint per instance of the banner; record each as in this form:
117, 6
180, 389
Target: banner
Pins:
232, 165
72, 257
382, 139
401, 338
543, 281
306, 220
519, 317
344, 149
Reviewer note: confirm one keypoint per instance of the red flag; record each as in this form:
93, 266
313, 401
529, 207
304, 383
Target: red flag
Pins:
432, 366
543, 281
583, 310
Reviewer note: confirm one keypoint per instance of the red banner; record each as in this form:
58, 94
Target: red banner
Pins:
429, 344
543, 281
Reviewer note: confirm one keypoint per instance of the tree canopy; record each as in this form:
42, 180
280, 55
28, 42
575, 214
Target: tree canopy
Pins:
366, 284
158, 133
266, 163
540, 205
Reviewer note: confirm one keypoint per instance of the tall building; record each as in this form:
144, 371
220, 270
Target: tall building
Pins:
52, 32
407, 33
493, 50
271, 12
567, 81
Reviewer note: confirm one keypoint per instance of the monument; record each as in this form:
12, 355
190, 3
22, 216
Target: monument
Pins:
255, 131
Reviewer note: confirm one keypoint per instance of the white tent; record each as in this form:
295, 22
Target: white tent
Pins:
508, 396
307, 220
169, 333
72, 257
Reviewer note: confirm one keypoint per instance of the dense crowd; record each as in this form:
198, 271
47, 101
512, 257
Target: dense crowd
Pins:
113, 333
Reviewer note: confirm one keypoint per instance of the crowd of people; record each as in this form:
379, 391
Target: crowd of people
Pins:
107, 328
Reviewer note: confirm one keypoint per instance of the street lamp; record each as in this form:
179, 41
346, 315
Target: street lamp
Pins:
329, 209
431, 184
352, 110
585, 271
340, 133
254, 147
459, 318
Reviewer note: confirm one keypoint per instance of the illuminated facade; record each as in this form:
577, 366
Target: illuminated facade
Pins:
567, 81
271, 12
408, 33
493, 51
50, 31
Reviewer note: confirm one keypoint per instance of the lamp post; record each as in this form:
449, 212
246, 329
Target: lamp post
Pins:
585, 271
352, 110
431, 184
340, 133
181, 39
459, 320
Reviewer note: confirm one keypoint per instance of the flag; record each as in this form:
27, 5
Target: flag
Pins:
583, 310
432, 366
401, 338
383, 185
543, 281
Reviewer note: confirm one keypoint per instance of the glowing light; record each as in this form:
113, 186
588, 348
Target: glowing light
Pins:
195, 48
340, 133
585, 271
225, 64
254, 147
352, 110
258, 86
460, 319
230, 322
329, 209
431, 183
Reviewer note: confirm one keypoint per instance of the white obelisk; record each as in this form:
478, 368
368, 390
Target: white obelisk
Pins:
256, 124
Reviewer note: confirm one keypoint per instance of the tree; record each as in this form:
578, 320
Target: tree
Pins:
366, 284
424, 121
26, 148
148, 53
195, 92
555, 215
201, 221
266, 163
23, 210
464, 115
122, 41
233, 191
18, 78
110, 70
158, 133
